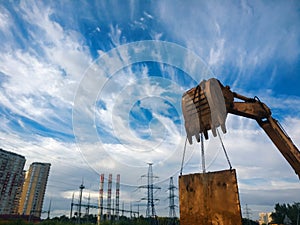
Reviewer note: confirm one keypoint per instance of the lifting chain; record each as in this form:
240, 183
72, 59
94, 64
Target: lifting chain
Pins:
203, 154
226, 155
184, 149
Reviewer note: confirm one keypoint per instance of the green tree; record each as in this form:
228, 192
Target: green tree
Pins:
246, 221
291, 211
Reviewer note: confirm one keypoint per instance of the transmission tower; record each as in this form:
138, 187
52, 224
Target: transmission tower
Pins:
172, 213
247, 213
150, 212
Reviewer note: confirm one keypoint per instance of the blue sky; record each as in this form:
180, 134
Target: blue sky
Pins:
95, 87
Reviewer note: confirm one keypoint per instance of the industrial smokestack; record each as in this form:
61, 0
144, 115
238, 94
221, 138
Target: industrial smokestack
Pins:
117, 196
100, 200
109, 196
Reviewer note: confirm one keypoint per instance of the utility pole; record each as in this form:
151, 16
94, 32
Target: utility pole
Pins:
81, 187
298, 207
88, 208
71, 212
49, 209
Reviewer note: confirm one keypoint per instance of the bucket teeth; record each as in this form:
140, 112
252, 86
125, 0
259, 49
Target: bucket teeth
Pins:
223, 128
214, 132
205, 134
190, 139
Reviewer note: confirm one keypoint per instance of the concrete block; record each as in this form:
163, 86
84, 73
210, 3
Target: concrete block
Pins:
209, 199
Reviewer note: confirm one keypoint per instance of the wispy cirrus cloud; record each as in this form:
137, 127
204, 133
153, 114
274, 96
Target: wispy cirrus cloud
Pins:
255, 34
40, 80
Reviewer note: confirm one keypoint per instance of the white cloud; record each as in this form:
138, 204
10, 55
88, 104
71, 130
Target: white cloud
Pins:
4, 19
216, 54
254, 34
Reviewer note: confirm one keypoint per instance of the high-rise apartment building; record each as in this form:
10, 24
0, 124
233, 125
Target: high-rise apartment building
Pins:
11, 180
265, 218
34, 188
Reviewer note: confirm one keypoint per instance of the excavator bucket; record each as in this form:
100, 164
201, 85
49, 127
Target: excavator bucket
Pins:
204, 109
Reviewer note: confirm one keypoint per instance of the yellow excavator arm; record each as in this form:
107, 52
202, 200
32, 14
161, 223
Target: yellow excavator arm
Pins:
205, 107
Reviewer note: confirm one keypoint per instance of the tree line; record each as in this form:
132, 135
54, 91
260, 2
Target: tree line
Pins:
284, 214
